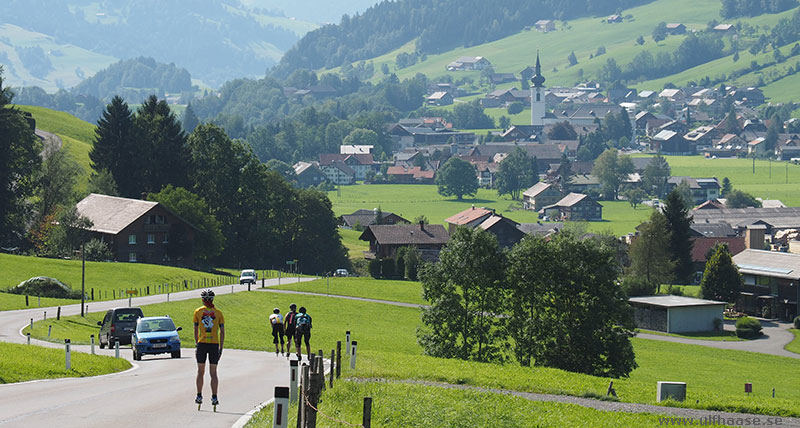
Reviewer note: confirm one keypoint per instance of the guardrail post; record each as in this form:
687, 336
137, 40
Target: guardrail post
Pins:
293, 380
280, 414
338, 359
353, 356
92, 336
116, 348
67, 354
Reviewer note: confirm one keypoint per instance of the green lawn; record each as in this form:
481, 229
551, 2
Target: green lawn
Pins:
20, 363
402, 406
771, 180
688, 290
355, 247
412, 200
106, 278
395, 291
794, 345
16, 301
388, 349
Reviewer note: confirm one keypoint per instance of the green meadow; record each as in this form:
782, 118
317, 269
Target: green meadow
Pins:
412, 200
388, 350
20, 363
395, 291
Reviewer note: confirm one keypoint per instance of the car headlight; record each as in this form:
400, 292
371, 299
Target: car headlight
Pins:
141, 340
174, 339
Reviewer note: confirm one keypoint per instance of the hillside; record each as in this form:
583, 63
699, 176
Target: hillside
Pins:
215, 40
76, 135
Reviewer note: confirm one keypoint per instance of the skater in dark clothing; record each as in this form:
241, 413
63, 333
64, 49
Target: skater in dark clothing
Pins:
303, 332
289, 327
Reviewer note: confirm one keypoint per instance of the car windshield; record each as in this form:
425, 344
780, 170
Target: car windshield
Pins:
126, 314
149, 326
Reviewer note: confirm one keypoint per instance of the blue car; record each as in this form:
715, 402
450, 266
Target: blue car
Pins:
156, 335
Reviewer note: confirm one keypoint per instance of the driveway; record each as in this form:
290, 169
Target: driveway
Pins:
159, 391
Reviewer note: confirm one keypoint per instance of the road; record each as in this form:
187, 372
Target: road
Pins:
158, 391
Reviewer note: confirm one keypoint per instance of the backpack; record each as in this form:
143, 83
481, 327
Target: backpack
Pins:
303, 322
290, 319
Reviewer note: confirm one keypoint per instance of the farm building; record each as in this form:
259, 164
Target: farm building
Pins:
364, 218
676, 314
575, 207
545, 25
540, 195
385, 240
469, 63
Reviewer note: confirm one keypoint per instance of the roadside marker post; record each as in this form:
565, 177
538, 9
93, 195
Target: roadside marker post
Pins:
167, 296
293, 380
366, 420
31, 324
40, 301
92, 336
45, 315
67, 354
58, 313
49, 329
333, 364
338, 359
29, 338
116, 348
353, 356
347, 333
280, 414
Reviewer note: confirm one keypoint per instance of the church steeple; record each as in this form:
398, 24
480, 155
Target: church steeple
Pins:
538, 79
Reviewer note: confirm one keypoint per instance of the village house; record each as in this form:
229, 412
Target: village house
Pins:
703, 189
614, 19
385, 240
308, 174
363, 218
540, 195
775, 219
505, 230
410, 175
675, 28
771, 281
139, 231
788, 147
469, 63
671, 143
439, 99
575, 207
545, 25
500, 78
359, 163
338, 173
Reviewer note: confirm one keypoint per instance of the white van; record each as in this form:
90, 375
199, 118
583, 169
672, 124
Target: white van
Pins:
248, 276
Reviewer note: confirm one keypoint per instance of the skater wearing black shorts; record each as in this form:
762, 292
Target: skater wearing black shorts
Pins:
209, 335
289, 327
276, 320
302, 332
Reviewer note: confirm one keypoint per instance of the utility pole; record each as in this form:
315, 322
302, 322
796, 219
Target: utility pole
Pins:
83, 276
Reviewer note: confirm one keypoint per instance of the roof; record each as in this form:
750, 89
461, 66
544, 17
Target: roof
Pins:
571, 200
713, 230
367, 217
495, 219
669, 93
301, 167
701, 246
540, 228
408, 234
780, 218
768, 263
536, 189
674, 301
665, 135
111, 214
438, 95
468, 216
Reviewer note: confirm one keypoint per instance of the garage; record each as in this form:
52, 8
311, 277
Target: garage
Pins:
676, 314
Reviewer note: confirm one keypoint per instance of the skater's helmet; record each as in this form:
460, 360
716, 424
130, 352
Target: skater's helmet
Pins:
276, 311
207, 295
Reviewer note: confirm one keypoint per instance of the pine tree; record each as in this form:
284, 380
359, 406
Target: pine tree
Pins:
649, 252
115, 148
190, 120
163, 143
680, 244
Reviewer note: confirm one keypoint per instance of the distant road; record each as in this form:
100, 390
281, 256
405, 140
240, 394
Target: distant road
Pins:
158, 392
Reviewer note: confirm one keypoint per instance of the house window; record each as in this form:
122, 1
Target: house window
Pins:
166, 239
132, 239
151, 238
538, 96
132, 257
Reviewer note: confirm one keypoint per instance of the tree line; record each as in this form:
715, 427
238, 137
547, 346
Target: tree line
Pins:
438, 27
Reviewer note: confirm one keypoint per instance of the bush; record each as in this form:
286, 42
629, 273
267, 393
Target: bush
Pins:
637, 287
43, 286
748, 328
515, 108
797, 322
413, 263
97, 251
375, 268
388, 268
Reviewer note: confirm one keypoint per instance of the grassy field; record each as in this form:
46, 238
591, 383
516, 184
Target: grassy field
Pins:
794, 345
104, 277
355, 247
402, 406
396, 291
771, 180
20, 363
10, 302
77, 136
411, 200
388, 349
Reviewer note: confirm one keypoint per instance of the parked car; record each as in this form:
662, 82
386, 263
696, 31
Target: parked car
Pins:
118, 325
248, 276
156, 335
340, 272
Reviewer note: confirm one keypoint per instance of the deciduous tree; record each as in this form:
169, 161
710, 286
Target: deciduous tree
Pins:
516, 173
651, 260
457, 178
721, 278
567, 310
612, 169
466, 295
655, 176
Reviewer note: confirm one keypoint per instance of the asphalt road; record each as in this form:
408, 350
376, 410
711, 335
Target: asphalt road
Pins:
157, 392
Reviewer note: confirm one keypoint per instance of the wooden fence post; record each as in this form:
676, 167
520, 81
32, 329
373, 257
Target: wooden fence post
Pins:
333, 364
338, 359
366, 421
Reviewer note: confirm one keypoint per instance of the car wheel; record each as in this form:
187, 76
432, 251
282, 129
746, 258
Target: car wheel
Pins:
136, 356
101, 343
176, 354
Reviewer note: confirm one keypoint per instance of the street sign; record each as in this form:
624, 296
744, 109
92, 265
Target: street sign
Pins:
290, 262
131, 291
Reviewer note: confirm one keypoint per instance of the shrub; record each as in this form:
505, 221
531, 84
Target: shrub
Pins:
43, 286
515, 108
637, 287
375, 268
748, 328
387, 268
413, 263
797, 322
97, 251
675, 291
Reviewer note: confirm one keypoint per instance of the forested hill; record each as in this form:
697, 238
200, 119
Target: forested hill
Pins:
439, 26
